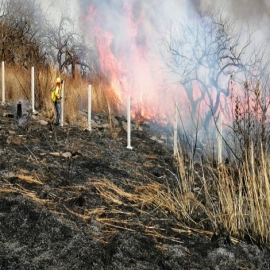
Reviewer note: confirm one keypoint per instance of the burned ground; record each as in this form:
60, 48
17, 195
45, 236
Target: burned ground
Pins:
74, 199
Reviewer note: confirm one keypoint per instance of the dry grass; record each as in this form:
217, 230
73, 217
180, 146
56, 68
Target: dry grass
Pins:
235, 199
153, 200
29, 179
7, 190
18, 88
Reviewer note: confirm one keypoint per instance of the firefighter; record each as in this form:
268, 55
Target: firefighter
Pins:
56, 98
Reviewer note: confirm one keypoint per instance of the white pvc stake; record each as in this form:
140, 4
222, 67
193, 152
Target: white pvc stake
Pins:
219, 138
89, 107
128, 123
3, 83
252, 160
33, 89
175, 150
62, 104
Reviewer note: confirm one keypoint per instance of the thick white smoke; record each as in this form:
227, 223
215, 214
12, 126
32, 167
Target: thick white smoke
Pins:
137, 28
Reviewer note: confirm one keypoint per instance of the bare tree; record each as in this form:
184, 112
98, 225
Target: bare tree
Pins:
227, 62
211, 51
28, 38
66, 47
22, 32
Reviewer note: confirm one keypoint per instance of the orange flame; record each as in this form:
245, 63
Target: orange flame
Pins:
129, 70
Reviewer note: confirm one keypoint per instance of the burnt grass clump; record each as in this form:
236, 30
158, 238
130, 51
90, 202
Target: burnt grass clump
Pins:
76, 199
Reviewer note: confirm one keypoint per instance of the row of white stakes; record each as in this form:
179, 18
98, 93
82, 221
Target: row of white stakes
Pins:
62, 103
128, 116
175, 144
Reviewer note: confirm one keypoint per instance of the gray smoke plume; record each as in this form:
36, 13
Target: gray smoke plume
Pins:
255, 13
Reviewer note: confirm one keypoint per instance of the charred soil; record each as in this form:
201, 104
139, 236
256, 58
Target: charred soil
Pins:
76, 199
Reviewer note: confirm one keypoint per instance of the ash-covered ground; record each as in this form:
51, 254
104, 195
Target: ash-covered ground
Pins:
75, 199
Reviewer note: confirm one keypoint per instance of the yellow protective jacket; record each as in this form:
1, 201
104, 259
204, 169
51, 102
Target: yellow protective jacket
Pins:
56, 94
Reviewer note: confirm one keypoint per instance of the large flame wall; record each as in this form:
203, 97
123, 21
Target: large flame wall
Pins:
127, 37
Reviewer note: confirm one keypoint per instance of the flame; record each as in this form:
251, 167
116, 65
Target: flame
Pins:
130, 67
126, 63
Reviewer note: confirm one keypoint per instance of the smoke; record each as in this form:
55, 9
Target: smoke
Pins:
255, 13
143, 20
128, 35
56, 9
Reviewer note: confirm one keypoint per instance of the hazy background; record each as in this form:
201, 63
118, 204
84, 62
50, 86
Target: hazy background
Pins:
257, 13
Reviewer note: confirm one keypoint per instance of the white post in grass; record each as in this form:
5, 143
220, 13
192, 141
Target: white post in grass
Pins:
89, 107
175, 150
219, 139
3, 84
62, 104
128, 123
33, 89
252, 160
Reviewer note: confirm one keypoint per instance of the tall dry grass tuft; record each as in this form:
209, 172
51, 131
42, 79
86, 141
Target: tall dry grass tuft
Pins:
18, 83
18, 88
236, 199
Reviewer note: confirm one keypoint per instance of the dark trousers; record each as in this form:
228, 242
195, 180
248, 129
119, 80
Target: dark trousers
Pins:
57, 111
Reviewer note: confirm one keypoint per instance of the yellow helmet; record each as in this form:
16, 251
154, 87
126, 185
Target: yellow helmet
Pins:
58, 80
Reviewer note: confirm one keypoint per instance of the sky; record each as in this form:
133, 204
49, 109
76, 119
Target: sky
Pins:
54, 9
256, 12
